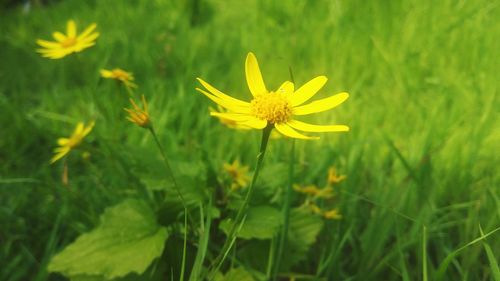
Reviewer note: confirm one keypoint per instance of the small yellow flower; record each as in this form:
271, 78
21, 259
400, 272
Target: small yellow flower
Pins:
277, 109
332, 214
119, 75
333, 177
314, 191
67, 144
138, 115
227, 122
238, 174
68, 43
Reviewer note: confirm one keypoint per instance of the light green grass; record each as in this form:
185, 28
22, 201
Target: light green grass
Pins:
422, 152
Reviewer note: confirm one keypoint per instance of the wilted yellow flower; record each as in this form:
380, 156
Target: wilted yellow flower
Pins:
67, 144
238, 174
314, 191
120, 75
333, 177
228, 122
277, 109
332, 214
68, 43
137, 115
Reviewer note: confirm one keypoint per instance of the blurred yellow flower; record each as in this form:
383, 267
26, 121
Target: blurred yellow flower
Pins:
276, 109
137, 115
68, 43
332, 214
333, 177
238, 174
67, 144
314, 191
119, 75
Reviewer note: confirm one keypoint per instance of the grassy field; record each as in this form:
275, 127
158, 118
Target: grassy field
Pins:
421, 199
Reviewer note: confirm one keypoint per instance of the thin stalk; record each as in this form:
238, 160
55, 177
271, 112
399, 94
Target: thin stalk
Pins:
167, 165
286, 211
172, 177
242, 211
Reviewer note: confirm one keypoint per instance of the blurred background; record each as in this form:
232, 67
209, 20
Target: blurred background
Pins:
423, 111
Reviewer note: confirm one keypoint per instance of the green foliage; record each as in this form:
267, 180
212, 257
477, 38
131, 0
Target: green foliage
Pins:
261, 222
126, 241
235, 274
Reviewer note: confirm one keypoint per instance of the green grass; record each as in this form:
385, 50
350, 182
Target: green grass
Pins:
421, 158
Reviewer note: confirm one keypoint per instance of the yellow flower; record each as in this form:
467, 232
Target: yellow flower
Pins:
67, 144
68, 43
277, 109
314, 191
238, 174
138, 115
332, 214
333, 178
119, 75
227, 122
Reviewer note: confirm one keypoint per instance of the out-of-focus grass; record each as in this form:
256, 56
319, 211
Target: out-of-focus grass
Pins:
423, 112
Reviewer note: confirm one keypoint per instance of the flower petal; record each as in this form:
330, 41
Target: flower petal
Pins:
232, 116
253, 75
228, 104
90, 38
71, 29
255, 123
290, 132
59, 155
59, 36
308, 90
321, 105
317, 128
286, 88
48, 44
87, 31
220, 94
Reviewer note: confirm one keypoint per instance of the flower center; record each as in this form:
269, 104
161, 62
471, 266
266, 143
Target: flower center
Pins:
272, 107
69, 42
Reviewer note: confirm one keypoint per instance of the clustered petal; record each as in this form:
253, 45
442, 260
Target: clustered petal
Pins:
275, 108
68, 43
119, 75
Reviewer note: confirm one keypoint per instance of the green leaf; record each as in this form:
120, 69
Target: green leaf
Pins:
303, 231
127, 240
262, 222
235, 274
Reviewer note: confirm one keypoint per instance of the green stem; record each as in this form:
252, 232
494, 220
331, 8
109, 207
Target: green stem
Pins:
167, 165
172, 177
242, 211
286, 211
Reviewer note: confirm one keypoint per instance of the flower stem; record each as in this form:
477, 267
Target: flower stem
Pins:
286, 212
216, 264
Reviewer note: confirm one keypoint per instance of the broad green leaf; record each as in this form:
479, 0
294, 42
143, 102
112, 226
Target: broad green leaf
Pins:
303, 231
127, 240
235, 274
262, 222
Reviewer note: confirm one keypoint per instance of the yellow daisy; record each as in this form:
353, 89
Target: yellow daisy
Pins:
119, 75
332, 214
67, 144
238, 174
137, 115
333, 177
68, 43
276, 109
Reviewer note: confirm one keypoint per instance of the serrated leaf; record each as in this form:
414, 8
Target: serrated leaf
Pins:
127, 240
262, 222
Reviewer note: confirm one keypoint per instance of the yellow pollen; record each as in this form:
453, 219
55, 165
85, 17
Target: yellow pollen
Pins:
69, 42
272, 107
